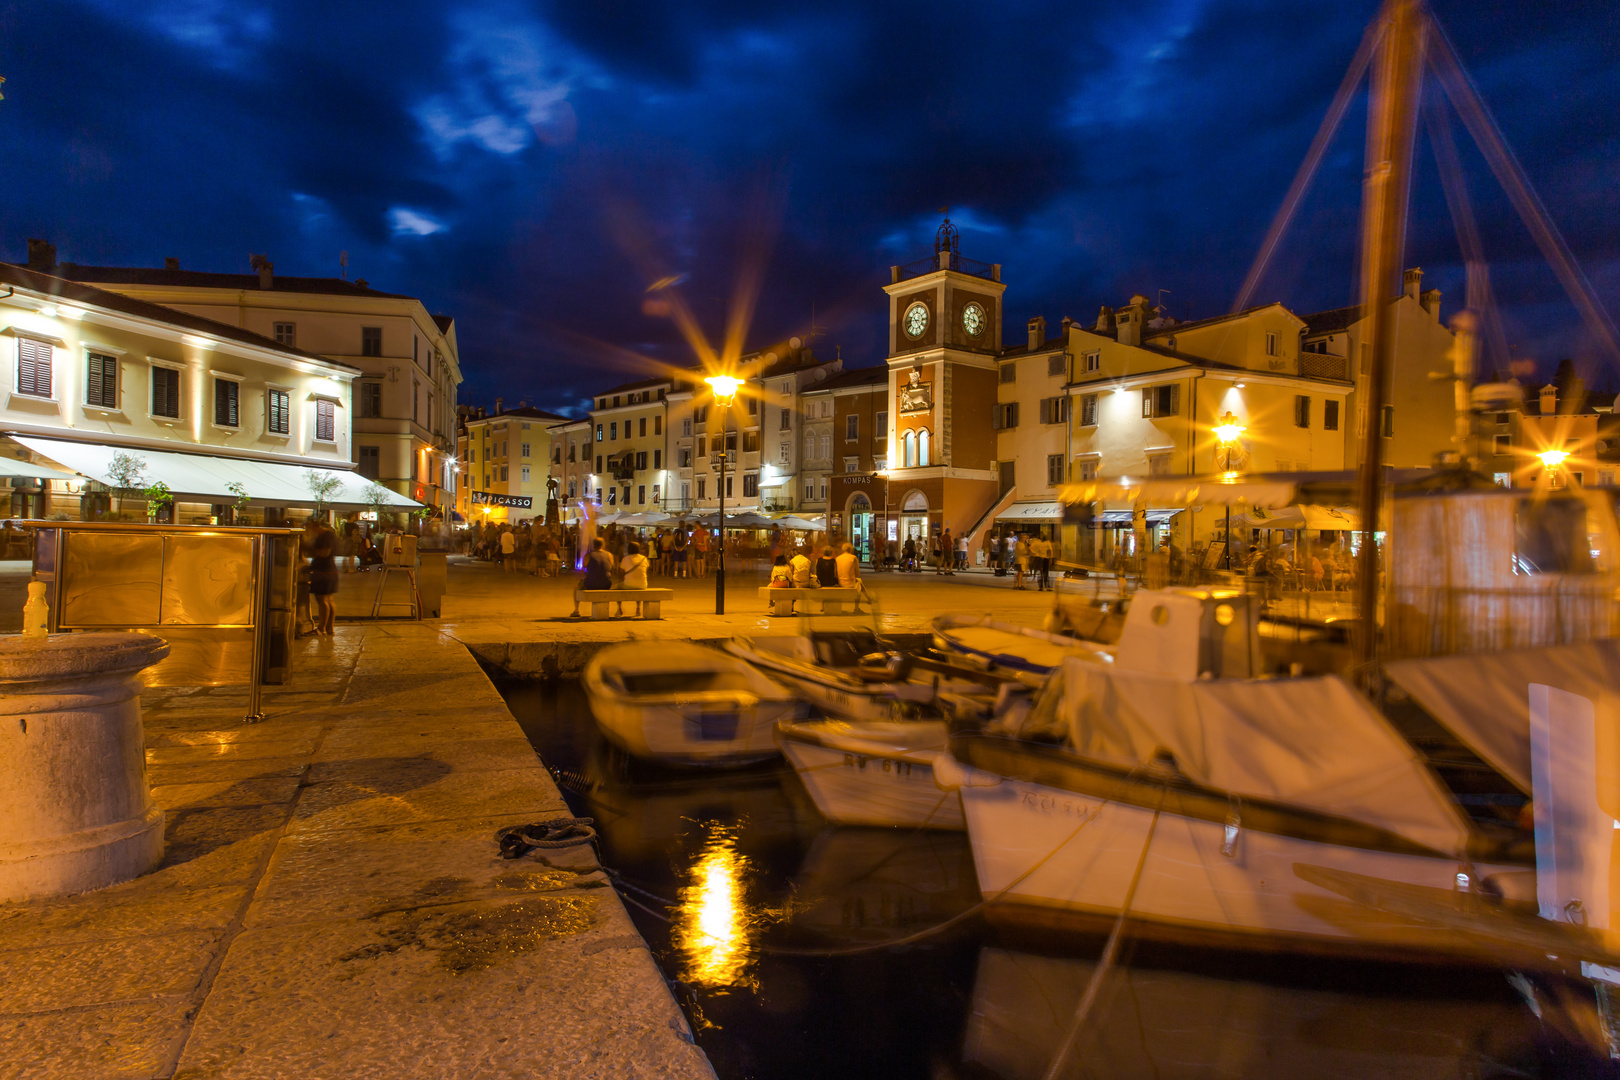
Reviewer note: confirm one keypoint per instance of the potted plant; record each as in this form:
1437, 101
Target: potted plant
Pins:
159, 503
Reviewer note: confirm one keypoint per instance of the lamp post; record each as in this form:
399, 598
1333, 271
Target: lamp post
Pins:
724, 388
1227, 433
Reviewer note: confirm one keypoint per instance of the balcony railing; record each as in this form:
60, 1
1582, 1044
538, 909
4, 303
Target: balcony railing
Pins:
1323, 366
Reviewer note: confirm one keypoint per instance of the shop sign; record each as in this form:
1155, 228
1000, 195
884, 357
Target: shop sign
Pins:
491, 498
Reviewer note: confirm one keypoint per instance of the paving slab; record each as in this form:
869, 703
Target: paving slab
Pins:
331, 901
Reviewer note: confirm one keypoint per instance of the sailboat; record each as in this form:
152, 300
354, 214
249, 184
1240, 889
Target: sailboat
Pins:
1185, 788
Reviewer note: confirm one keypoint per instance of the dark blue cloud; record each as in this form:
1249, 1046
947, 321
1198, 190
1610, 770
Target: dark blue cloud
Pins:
529, 166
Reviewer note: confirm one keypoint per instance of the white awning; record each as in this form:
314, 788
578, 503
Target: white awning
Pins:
11, 467
206, 477
1033, 510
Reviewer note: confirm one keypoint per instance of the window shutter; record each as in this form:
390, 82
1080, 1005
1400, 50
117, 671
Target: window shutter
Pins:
33, 367
1012, 418
1175, 400
1147, 401
95, 392
1046, 410
998, 414
42, 369
160, 393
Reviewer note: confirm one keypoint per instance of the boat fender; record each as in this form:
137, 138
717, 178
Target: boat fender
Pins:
950, 774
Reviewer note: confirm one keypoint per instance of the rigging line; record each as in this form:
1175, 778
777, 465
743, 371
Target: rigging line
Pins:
1454, 182
1464, 96
961, 916
1106, 962
1313, 159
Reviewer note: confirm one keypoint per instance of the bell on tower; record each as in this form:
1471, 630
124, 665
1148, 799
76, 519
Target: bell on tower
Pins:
946, 238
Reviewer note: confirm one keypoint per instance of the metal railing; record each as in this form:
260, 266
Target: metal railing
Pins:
958, 263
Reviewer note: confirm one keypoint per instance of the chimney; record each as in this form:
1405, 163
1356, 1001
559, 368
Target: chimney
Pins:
266, 269
1549, 400
42, 256
171, 262
1105, 319
498, 406
1413, 280
1129, 320
1431, 303
1037, 332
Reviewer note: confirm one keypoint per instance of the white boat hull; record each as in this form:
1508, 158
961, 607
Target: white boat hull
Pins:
695, 734
864, 782
1056, 849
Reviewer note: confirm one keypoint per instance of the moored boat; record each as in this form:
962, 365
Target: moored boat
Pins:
685, 704
851, 676
872, 773
985, 640
1177, 770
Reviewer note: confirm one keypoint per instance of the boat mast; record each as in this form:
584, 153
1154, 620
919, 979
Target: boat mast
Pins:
1391, 129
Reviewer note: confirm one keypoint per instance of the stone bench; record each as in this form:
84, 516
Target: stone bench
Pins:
833, 601
651, 600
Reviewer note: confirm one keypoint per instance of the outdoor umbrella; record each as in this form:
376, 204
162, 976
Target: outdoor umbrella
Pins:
792, 522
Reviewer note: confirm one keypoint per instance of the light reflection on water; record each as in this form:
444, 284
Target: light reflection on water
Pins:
712, 926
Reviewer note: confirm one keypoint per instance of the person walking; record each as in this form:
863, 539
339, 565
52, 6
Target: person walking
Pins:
666, 553
700, 552
1043, 552
508, 550
1020, 555
908, 554
677, 553
944, 547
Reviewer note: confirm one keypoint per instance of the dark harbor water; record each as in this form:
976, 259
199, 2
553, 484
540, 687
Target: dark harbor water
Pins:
736, 882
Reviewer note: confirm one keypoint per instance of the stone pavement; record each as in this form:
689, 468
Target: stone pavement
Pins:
331, 903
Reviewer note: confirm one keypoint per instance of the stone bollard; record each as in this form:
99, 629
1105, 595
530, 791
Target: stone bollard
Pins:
75, 808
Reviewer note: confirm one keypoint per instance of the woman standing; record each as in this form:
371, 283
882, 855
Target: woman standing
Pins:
323, 577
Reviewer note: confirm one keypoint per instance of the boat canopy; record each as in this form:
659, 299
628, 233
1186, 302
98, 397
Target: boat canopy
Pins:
1312, 743
1484, 698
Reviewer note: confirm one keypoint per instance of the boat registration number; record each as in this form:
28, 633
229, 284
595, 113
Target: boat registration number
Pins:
713, 726
860, 761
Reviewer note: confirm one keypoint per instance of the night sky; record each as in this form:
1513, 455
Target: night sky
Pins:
531, 167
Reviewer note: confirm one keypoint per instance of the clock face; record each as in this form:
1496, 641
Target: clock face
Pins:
915, 320
973, 320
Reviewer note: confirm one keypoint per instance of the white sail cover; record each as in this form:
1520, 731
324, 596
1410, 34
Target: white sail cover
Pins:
1484, 698
1311, 743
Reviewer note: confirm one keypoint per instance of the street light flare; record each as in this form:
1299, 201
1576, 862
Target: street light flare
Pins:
1553, 458
725, 389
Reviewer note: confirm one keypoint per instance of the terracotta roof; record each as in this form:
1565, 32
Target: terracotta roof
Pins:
1166, 331
639, 384
1333, 322
868, 376
526, 412
11, 274
1019, 350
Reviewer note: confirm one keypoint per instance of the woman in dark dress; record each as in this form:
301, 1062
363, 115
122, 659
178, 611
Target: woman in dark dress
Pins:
827, 569
323, 577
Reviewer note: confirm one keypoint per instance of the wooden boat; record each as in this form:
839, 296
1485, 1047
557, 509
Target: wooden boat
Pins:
1175, 768
985, 640
872, 773
849, 675
685, 704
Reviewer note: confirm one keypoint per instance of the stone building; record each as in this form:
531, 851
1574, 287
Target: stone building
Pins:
403, 420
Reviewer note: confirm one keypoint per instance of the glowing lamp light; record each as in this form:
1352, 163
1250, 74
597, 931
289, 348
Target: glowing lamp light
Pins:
1553, 458
1229, 430
725, 389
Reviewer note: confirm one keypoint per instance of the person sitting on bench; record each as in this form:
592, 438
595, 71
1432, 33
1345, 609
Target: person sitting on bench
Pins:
598, 565
634, 567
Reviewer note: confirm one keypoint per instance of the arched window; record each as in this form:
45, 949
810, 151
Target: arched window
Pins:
910, 442
922, 448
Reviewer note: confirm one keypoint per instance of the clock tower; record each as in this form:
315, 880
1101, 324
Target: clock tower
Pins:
944, 334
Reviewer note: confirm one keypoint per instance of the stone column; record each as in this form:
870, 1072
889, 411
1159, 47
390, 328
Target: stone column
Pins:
76, 811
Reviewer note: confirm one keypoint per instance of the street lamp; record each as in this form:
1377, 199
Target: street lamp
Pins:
1551, 460
724, 388
1227, 433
